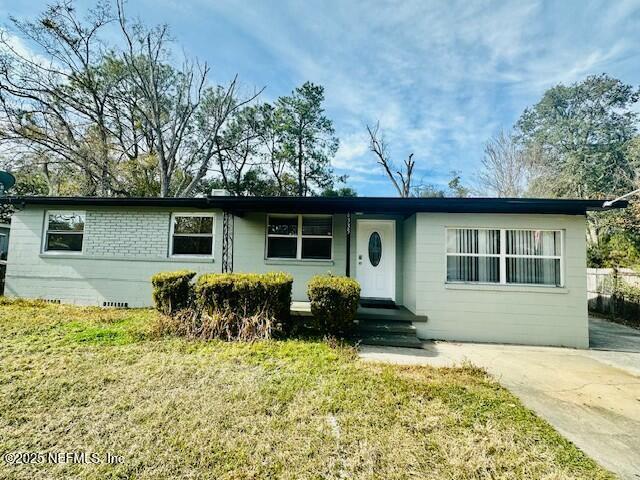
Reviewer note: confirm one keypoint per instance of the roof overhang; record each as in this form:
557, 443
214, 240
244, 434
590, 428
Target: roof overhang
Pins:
386, 205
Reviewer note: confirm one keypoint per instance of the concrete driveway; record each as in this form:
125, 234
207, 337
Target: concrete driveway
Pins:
592, 397
605, 335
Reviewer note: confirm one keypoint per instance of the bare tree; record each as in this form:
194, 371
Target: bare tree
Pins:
169, 97
184, 114
505, 167
123, 118
56, 109
401, 180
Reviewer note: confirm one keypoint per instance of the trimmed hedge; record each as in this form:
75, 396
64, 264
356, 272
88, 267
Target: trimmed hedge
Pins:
334, 303
172, 291
247, 294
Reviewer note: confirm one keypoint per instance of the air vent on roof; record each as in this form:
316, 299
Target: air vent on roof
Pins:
219, 192
116, 304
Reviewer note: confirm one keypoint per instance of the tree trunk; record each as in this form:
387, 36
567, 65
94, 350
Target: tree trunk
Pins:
104, 160
164, 183
300, 161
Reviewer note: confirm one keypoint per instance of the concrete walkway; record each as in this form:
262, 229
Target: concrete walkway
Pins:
605, 335
592, 397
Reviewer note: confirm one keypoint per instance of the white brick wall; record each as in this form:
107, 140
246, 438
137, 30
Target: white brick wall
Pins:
127, 234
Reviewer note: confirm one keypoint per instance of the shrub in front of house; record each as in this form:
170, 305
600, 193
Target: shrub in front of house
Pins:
172, 291
334, 303
247, 297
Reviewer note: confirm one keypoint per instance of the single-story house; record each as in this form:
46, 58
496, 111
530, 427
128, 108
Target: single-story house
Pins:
479, 269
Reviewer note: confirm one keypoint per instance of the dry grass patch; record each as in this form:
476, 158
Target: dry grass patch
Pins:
94, 380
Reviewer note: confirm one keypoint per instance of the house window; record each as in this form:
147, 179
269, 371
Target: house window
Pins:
4, 246
64, 231
523, 257
533, 257
302, 237
192, 234
473, 255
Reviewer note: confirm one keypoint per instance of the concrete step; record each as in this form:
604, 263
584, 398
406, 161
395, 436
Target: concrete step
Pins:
400, 314
395, 340
382, 327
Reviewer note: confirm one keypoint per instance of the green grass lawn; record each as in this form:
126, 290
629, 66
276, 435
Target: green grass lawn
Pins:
99, 381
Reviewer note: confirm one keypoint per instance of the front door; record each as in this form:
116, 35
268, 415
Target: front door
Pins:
376, 258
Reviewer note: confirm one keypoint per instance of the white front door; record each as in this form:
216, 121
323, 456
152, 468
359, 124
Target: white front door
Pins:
376, 258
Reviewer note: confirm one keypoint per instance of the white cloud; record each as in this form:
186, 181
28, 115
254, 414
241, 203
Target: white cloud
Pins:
18, 46
352, 153
441, 77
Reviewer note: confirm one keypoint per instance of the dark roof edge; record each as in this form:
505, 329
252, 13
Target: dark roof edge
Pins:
106, 201
336, 204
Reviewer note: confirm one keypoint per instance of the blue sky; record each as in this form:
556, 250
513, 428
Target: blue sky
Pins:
441, 77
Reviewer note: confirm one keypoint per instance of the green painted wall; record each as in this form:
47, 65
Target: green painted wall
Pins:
495, 313
409, 263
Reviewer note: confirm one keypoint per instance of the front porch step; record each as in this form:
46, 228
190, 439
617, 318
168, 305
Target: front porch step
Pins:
387, 332
377, 326
390, 340
386, 327
399, 314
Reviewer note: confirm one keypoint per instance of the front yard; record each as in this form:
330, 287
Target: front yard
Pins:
100, 381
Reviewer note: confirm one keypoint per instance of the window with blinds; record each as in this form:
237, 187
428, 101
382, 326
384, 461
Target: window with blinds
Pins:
502, 256
533, 257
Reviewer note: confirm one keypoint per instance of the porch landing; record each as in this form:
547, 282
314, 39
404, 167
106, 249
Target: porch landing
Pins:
378, 326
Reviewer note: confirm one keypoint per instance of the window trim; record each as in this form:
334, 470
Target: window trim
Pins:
503, 255
299, 236
45, 233
172, 233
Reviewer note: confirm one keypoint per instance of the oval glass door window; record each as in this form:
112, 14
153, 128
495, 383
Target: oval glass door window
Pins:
375, 249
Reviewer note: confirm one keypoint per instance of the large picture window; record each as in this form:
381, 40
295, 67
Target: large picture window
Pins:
192, 234
64, 231
523, 257
302, 237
